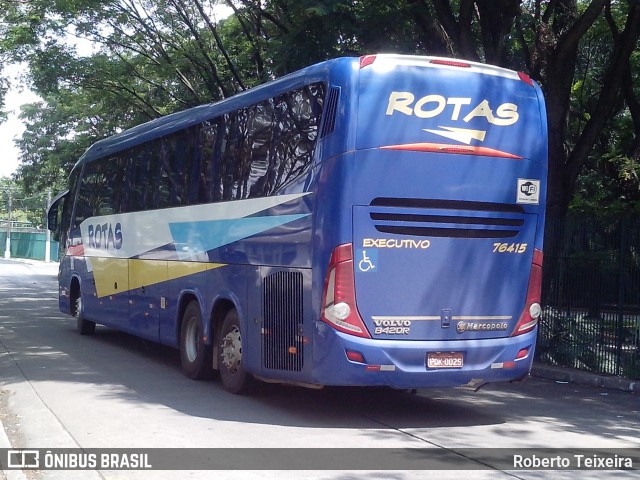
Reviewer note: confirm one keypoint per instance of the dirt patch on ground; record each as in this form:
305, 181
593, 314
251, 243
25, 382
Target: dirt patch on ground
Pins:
11, 424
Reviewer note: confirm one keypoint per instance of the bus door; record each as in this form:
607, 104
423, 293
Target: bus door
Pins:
106, 297
104, 274
147, 296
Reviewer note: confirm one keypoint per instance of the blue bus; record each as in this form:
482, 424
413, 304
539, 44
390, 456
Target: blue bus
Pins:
363, 221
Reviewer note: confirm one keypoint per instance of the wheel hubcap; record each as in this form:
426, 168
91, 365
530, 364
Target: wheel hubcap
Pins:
191, 343
78, 307
232, 350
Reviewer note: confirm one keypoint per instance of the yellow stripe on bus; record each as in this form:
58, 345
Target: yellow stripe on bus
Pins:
119, 275
111, 275
182, 269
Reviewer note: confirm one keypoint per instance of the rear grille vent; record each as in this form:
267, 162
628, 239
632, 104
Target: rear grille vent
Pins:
446, 204
330, 112
446, 218
282, 345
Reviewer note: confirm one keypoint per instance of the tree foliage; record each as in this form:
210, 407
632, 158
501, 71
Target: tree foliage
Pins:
25, 207
153, 57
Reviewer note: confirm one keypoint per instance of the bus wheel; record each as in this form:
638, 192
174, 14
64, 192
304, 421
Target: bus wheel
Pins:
234, 378
85, 327
195, 355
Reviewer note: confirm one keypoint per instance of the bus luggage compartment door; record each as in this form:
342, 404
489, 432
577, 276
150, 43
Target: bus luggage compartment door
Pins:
427, 273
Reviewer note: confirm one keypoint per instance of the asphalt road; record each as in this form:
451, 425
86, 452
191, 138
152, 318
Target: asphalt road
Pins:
61, 390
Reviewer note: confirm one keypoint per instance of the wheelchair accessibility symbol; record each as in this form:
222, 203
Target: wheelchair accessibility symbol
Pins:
368, 260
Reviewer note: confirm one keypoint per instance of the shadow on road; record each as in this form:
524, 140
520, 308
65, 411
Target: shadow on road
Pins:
45, 345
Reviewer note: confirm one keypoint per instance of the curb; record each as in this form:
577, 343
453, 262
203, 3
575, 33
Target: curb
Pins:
563, 374
9, 474
31, 261
39, 428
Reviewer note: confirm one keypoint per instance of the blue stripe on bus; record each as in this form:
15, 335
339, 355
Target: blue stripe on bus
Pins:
204, 236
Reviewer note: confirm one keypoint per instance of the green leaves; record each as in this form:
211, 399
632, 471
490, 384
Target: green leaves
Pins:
148, 58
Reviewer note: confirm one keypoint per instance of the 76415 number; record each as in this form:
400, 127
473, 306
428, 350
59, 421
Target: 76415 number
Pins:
509, 247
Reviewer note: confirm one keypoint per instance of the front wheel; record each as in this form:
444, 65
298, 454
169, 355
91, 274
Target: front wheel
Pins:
195, 355
85, 327
233, 376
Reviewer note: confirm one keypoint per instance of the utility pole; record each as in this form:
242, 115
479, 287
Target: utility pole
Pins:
47, 243
7, 250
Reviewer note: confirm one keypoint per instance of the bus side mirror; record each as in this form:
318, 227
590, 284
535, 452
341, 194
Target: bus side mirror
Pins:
54, 215
52, 219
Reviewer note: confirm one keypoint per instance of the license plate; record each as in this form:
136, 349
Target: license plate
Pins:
445, 360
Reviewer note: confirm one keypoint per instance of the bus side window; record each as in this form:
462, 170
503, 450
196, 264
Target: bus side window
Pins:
98, 191
134, 188
259, 178
64, 226
178, 169
211, 148
298, 118
89, 183
171, 179
231, 155
191, 164
206, 149
168, 191
258, 150
143, 172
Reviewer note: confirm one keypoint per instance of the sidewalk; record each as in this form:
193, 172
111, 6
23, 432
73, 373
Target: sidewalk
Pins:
31, 261
570, 375
44, 268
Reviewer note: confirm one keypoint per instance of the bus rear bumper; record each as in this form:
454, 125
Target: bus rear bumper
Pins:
341, 359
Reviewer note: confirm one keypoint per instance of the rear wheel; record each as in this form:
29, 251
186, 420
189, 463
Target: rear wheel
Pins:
195, 355
234, 378
85, 327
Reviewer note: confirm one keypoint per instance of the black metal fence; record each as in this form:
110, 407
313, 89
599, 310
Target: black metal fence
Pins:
591, 296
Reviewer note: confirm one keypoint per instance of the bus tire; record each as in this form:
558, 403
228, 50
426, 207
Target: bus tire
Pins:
85, 327
233, 376
195, 355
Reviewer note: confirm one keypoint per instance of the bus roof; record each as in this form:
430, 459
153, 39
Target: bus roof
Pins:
192, 116
344, 66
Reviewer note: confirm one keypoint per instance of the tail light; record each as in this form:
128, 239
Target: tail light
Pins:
450, 62
339, 299
367, 60
525, 78
532, 310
